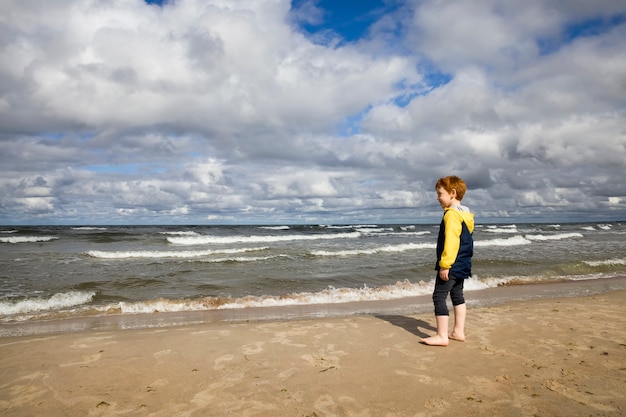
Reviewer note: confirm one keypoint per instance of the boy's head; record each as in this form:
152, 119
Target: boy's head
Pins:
450, 183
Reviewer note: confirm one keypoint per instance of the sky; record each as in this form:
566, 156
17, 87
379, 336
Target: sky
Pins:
310, 111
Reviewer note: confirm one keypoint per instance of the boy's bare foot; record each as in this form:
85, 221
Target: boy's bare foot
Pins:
434, 341
458, 338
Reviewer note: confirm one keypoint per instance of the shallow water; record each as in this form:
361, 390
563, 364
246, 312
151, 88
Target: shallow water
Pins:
53, 273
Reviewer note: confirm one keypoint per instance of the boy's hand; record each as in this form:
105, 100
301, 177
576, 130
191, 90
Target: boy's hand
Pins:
443, 274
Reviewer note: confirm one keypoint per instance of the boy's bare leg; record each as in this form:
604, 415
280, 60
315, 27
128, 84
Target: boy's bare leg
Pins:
441, 338
458, 333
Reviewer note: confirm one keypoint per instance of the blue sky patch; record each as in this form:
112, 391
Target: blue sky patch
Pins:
585, 28
352, 124
349, 19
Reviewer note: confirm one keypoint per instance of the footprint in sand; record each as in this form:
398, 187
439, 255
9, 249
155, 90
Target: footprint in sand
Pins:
162, 354
283, 339
326, 405
486, 386
26, 391
328, 358
575, 395
330, 348
220, 362
348, 405
252, 349
286, 374
423, 378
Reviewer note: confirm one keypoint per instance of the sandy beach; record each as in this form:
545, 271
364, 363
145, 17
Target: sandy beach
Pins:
546, 357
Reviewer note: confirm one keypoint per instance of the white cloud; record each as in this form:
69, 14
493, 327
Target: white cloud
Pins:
225, 111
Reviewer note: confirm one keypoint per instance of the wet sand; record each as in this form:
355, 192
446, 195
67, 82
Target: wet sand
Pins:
542, 357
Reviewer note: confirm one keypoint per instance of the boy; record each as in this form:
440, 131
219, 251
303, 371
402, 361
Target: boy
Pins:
455, 247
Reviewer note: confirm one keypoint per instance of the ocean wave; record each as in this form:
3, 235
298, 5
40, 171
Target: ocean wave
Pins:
340, 227
331, 295
275, 227
607, 262
372, 230
391, 232
371, 251
181, 233
511, 241
167, 254
89, 228
559, 236
204, 240
27, 239
501, 229
74, 303
37, 304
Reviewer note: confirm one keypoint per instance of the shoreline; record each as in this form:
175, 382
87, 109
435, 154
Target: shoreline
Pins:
409, 305
544, 356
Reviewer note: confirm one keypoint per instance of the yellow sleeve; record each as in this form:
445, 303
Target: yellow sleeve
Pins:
453, 226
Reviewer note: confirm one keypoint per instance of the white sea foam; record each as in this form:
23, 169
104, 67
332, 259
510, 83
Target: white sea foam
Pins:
332, 226
502, 229
391, 232
511, 241
205, 239
167, 254
88, 228
55, 302
606, 262
376, 230
27, 239
331, 295
181, 233
604, 226
371, 251
274, 227
559, 236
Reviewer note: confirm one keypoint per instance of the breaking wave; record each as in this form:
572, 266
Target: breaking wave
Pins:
27, 239
205, 239
168, 254
38, 304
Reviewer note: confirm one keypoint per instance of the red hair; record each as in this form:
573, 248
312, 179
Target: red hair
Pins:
450, 183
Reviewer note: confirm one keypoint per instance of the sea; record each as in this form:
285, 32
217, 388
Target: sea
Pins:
65, 278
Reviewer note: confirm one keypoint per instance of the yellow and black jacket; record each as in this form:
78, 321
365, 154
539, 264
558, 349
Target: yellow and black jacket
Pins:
455, 244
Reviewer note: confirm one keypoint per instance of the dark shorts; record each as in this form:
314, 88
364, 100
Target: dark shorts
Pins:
454, 287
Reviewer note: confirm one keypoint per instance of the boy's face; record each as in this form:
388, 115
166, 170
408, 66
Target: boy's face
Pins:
445, 198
